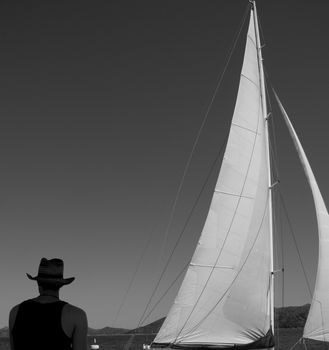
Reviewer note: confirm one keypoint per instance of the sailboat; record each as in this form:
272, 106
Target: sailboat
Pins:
226, 299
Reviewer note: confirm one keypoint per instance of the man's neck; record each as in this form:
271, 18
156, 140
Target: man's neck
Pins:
54, 294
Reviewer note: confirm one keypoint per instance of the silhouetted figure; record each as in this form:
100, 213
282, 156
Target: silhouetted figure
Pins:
46, 322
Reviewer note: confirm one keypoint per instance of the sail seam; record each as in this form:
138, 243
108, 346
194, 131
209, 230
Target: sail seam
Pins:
244, 76
233, 194
243, 127
252, 40
212, 266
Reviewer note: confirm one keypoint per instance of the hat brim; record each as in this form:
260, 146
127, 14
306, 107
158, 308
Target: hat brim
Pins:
54, 281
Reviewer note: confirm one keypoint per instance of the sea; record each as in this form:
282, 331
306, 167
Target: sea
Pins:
107, 342
286, 338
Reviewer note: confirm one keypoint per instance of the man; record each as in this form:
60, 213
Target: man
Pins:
46, 322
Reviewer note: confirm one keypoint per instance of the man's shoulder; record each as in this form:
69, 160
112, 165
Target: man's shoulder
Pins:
15, 308
73, 311
13, 313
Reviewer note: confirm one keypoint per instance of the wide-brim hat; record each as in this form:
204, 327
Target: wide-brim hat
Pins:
51, 272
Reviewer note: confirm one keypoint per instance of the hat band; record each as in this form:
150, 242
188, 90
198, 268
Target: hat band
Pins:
47, 275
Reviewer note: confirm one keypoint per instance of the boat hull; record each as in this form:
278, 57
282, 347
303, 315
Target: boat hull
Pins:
264, 343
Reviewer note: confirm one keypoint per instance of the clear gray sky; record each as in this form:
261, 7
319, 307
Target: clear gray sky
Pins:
100, 104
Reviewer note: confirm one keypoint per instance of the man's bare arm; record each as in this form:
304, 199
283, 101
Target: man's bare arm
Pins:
79, 340
12, 318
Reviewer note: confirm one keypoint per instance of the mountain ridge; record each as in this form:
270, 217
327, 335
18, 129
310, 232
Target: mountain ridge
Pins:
285, 317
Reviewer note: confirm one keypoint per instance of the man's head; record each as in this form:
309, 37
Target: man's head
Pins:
43, 287
50, 274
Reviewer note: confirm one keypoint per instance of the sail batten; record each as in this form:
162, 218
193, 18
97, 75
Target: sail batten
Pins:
220, 307
317, 323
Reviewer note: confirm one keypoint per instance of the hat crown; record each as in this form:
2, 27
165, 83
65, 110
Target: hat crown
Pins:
51, 268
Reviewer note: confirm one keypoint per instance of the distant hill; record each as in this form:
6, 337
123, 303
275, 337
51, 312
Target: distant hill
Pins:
285, 317
4, 332
107, 331
151, 328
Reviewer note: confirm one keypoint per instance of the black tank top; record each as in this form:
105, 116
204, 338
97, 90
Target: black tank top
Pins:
39, 326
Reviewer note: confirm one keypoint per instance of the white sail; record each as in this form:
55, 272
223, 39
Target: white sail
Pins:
225, 295
317, 325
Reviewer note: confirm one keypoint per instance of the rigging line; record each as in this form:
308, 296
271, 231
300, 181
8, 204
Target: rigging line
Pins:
268, 296
273, 138
275, 229
185, 225
228, 59
295, 242
278, 231
274, 167
229, 229
129, 342
275, 170
133, 276
261, 28
276, 173
274, 199
282, 255
165, 293
297, 342
273, 146
305, 346
205, 118
277, 209
322, 319
238, 272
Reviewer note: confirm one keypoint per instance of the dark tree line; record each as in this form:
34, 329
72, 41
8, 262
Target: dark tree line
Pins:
291, 316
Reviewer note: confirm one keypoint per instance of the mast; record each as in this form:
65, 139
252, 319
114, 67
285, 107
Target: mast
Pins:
264, 109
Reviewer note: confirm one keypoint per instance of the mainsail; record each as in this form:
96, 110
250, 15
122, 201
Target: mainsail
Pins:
225, 298
317, 324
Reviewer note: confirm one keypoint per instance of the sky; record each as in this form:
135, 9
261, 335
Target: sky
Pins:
100, 105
